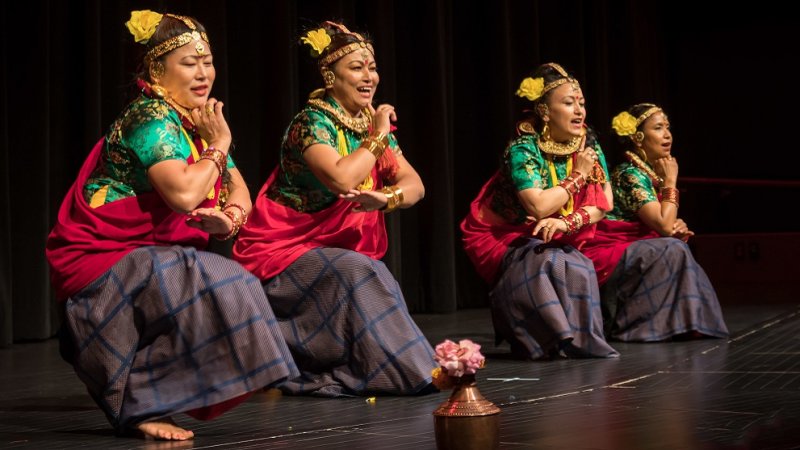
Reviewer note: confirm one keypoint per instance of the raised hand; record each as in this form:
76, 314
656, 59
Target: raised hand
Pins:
382, 117
212, 126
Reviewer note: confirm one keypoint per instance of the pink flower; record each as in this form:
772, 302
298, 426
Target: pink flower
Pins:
471, 356
459, 359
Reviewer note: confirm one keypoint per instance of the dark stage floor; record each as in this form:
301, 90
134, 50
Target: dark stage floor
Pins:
709, 394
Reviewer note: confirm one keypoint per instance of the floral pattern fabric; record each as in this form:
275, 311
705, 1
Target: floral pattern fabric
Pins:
295, 185
524, 166
632, 189
148, 132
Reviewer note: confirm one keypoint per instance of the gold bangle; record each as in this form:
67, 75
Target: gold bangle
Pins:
394, 198
376, 144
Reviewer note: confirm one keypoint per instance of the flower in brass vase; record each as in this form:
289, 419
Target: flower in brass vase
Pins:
456, 360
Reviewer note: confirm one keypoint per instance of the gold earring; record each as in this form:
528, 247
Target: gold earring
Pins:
545, 133
638, 137
542, 109
157, 70
328, 77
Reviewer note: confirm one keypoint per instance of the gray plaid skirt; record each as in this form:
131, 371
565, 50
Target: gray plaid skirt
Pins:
658, 291
346, 322
546, 303
172, 329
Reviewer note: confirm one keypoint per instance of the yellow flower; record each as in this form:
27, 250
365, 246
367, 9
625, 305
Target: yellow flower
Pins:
531, 88
624, 124
437, 372
318, 40
143, 24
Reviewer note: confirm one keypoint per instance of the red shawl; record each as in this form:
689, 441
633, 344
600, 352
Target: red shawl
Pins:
486, 235
610, 241
276, 235
86, 242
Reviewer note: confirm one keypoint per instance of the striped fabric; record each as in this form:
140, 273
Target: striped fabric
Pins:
547, 303
347, 325
172, 329
658, 291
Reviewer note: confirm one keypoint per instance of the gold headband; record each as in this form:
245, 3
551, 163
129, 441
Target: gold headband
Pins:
644, 116
345, 50
560, 81
534, 88
179, 41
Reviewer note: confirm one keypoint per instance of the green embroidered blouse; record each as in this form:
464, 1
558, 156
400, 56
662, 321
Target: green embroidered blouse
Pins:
524, 166
632, 189
295, 185
147, 132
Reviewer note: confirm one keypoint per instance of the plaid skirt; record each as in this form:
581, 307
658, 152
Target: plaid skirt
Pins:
546, 303
658, 291
347, 325
172, 329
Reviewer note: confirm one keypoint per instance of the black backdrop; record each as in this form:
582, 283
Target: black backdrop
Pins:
449, 66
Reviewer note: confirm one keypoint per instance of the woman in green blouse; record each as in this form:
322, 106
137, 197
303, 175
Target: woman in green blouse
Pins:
317, 233
526, 228
655, 289
155, 326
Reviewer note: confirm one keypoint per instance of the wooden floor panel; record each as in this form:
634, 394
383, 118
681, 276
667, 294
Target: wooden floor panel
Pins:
709, 394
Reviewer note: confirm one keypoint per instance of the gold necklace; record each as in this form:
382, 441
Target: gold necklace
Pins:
357, 124
181, 110
557, 148
644, 167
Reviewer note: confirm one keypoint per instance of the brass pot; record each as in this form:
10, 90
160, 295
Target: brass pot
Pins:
467, 421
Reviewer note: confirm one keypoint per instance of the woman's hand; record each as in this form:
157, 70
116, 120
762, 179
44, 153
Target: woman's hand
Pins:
548, 227
210, 220
681, 231
382, 118
367, 200
586, 158
667, 168
212, 126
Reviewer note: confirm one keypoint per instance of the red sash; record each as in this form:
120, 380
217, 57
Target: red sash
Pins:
486, 236
276, 235
86, 242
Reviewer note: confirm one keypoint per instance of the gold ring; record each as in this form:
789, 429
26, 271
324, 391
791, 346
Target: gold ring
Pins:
209, 109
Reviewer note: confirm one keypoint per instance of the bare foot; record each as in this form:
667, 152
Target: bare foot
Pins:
165, 429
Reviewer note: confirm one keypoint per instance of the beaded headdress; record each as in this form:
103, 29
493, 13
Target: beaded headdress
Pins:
320, 42
534, 88
143, 24
624, 124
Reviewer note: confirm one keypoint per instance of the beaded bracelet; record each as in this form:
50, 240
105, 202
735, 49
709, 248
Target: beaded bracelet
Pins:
243, 217
234, 228
573, 183
671, 195
216, 156
576, 220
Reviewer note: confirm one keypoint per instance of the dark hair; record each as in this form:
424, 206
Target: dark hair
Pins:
168, 28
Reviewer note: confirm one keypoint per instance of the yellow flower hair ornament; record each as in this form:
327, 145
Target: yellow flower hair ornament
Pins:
624, 124
531, 88
143, 24
318, 40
